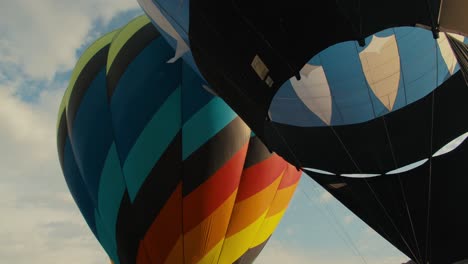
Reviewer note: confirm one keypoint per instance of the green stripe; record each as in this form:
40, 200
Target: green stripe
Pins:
104, 239
152, 143
111, 192
124, 35
87, 55
206, 123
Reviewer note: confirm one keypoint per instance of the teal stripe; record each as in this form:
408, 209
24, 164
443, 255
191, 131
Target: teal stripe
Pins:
111, 191
206, 123
105, 240
152, 142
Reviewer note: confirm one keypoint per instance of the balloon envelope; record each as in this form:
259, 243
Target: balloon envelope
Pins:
365, 89
162, 170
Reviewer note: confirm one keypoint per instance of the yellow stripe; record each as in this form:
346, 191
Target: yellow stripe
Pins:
212, 256
267, 228
87, 55
124, 35
204, 237
247, 211
235, 246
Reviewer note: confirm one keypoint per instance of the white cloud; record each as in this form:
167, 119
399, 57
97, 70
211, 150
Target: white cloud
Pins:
42, 36
325, 197
39, 222
276, 252
348, 219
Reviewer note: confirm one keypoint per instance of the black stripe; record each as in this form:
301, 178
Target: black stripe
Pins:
158, 187
84, 80
256, 153
127, 53
210, 157
127, 239
62, 134
251, 254
135, 218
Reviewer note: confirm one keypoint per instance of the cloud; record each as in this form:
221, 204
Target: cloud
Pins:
39, 42
276, 252
348, 219
39, 221
325, 197
42, 37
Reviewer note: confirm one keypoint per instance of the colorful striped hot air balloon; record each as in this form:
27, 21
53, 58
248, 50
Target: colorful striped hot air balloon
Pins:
162, 170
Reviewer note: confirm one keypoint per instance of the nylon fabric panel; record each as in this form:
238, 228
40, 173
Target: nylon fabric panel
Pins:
111, 191
92, 135
205, 124
258, 152
266, 229
152, 143
177, 253
291, 177
135, 45
236, 244
282, 198
446, 234
247, 211
260, 176
215, 153
90, 72
201, 239
77, 187
165, 231
251, 254
204, 200
145, 85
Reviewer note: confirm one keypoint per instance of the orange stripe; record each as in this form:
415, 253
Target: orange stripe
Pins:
281, 200
165, 230
259, 176
200, 203
249, 210
291, 177
177, 253
201, 239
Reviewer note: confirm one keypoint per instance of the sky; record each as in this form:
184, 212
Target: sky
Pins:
40, 41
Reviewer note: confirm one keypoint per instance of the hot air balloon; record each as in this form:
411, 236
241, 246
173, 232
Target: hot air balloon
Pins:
162, 170
367, 96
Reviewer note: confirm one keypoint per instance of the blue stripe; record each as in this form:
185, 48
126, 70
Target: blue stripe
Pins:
194, 96
152, 143
92, 134
111, 191
77, 187
147, 82
205, 124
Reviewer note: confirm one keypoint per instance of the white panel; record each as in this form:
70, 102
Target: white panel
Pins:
408, 167
314, 91
319, 171
447, 52
451, 145
156, 15
360, 175
381, 65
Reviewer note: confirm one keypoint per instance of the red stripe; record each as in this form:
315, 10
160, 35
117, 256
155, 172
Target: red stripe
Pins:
291, 177
200, 203
165, 230
260, 176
